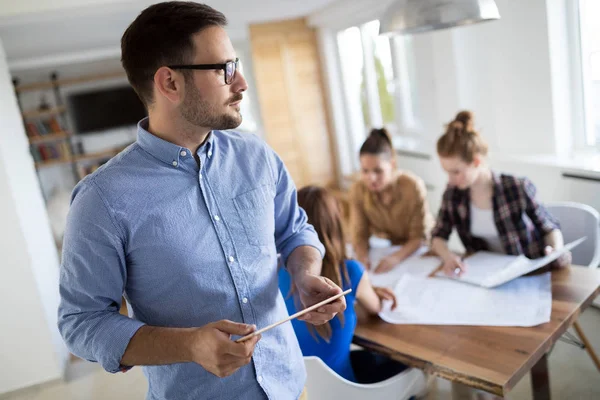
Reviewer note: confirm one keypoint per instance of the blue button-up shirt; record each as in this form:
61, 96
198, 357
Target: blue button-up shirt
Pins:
186, 245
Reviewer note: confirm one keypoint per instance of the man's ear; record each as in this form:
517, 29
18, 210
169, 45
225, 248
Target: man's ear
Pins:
477, 160
169, 84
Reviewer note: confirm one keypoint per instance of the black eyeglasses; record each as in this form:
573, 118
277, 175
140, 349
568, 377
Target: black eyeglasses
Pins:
229, 68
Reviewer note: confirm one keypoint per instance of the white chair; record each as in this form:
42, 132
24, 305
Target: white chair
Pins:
324, 384
577, 220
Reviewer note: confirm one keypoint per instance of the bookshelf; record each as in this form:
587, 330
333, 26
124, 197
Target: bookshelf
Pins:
44, 113
52, 137
51, 141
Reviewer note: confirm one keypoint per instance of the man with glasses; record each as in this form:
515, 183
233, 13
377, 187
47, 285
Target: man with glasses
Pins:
187, 223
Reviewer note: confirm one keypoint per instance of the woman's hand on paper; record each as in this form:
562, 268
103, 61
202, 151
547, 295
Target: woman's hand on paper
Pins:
453, 266
385, 294
561, 262
386, 264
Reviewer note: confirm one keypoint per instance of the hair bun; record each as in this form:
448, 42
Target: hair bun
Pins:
374, 132
457, 125
466, 119
461, 139
378, 142
382, 133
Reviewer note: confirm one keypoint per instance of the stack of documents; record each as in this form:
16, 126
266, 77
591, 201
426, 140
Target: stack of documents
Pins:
525, 301
492, 291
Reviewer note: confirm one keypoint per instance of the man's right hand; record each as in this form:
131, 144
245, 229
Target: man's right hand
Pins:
453, 266
211, 347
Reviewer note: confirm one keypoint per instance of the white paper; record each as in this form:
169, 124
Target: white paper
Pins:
415, 265
525, 301
492, 269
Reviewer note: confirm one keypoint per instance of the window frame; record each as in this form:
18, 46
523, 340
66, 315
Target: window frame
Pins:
583, 140
405, 104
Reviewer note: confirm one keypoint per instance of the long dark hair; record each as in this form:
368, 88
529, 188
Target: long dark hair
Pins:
323, 214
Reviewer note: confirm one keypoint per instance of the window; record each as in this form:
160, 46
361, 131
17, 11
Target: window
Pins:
589, 32
352, 65
377, 79
249, 105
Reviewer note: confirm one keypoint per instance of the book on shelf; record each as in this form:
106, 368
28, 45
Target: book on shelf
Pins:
35, 152
32, 130
66, 150
54, 125
51, 151
43, 127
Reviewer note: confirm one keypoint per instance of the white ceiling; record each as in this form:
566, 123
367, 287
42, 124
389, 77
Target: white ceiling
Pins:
65, 29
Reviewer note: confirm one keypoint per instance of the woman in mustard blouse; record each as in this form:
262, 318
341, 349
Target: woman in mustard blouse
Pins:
388, 203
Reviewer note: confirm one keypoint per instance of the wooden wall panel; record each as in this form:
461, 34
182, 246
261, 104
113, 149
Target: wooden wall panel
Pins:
292, 99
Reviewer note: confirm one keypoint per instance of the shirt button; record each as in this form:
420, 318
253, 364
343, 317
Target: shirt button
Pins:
259, 379
231, 259
200, 176
183, 153
217, 218
209, 153
245, 300
174, 163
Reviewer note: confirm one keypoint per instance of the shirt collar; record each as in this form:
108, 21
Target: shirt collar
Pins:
497, 179
167, 152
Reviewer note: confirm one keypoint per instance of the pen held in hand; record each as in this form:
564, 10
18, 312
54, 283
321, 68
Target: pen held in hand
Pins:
296, 315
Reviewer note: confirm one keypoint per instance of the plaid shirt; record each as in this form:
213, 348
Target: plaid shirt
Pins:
521, 221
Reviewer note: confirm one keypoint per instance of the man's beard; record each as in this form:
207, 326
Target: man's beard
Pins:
200, 112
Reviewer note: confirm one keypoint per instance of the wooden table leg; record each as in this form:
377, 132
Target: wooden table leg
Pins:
540, 379
588, 345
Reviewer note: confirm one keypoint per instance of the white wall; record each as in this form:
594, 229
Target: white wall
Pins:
503, 74
12, 7
31, 349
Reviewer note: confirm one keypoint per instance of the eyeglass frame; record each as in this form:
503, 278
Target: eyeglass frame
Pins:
208, 67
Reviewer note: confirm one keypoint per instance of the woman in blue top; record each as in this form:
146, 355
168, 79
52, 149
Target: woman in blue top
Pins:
331, 341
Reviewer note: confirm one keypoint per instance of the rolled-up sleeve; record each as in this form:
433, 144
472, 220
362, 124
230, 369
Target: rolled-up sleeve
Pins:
444, 223
539, 215
292, 229
420, 219
92, 280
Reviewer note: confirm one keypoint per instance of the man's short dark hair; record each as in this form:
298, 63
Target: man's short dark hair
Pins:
162, 35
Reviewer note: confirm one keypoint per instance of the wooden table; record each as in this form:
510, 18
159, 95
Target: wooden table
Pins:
490, 358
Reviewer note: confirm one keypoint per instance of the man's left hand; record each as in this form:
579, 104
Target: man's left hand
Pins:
313, 289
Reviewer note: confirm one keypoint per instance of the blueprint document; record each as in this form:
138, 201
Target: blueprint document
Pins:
492, 269
525, 301
415, 265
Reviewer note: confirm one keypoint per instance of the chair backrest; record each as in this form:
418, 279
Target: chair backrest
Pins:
577, 220
323, 383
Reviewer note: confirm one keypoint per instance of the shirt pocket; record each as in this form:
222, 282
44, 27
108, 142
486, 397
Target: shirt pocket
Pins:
257, 213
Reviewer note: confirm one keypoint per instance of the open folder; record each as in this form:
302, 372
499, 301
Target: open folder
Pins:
489, 269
